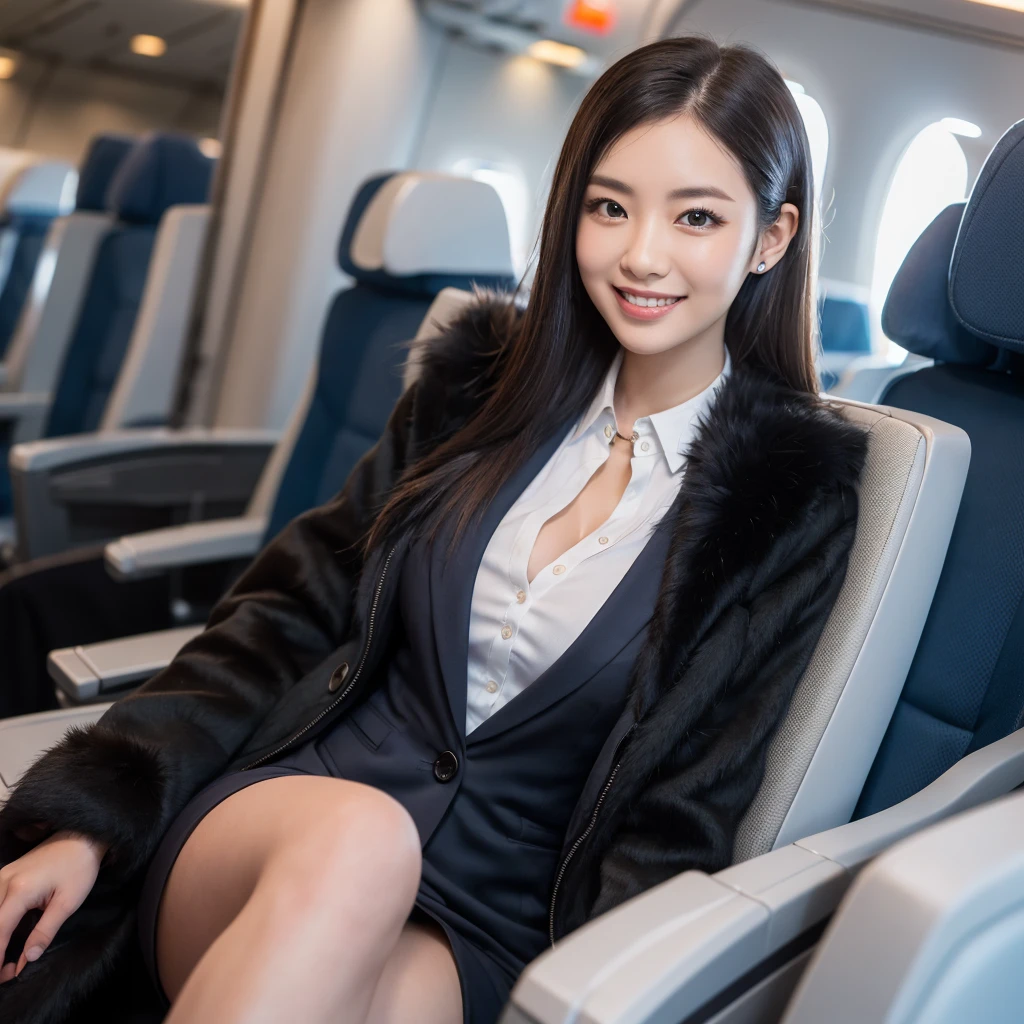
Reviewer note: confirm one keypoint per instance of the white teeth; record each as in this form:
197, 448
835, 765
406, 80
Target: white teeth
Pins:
639, 300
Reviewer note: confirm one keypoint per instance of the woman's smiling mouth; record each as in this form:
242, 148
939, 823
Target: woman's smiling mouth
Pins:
646, 306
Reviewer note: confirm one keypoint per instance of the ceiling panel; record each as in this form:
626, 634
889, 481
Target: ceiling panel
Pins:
955, 17
200, 35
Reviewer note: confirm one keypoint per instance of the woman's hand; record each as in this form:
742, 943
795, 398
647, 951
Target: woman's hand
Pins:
55, 877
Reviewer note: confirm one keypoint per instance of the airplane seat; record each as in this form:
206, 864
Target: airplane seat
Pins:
426, 235
397, 273
161, 172
845, 336
964, 689
35, 196
62, 270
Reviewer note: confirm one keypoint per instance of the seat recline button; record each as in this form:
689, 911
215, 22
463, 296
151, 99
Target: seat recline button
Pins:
338, 676
446, 766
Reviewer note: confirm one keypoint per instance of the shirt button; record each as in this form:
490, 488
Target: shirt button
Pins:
602, 540
520, 596
446, 766
506, 631
644, 446
608, 431
558, 570
338, 676
492, 687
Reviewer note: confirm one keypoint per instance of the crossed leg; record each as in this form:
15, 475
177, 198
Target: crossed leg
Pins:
290, 901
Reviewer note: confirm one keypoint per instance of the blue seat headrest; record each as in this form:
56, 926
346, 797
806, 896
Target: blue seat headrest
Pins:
845, 326
161, 171
917, 313
44, 189
985, 275
104, 156
420, 232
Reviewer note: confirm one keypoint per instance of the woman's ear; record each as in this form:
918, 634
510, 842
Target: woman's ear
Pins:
775, 240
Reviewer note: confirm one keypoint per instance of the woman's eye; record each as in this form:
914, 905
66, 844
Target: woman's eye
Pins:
701, 218
609, 208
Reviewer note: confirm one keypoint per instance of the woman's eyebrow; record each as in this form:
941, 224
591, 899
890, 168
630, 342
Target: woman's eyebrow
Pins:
693, 192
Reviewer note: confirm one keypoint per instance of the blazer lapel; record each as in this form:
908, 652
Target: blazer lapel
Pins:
627, 610
452, 580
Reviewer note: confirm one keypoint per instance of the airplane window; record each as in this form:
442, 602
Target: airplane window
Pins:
931, 174
511, 185
817, 131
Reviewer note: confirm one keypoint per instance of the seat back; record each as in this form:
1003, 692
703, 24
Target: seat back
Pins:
36, 195
161, 172
845, 333
966, 688
821, 753
48, 314
407, 237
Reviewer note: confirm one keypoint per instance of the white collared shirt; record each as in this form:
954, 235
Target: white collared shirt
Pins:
517, 628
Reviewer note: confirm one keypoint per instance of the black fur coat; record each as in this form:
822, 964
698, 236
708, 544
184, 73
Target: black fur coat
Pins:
760, 534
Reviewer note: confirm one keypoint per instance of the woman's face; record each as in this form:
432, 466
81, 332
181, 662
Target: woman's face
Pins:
668, 218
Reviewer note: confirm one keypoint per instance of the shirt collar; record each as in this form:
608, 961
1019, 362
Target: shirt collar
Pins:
674, 428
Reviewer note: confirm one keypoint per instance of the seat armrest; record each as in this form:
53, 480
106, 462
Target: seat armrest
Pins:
92, 489
155, 551
696, 943
24, 413
61, 452
25, 737
932, 930
91, 671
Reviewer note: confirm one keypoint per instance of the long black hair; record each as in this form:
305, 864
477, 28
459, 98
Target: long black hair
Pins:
557, 353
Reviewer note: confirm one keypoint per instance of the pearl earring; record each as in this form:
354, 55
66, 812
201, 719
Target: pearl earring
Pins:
760, 267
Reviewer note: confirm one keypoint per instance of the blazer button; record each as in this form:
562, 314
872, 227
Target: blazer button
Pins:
446, 766
338, 676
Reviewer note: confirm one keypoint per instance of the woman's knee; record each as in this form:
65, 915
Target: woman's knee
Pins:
364, 845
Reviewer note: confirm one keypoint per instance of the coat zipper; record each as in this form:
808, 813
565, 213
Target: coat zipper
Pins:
348, 689
582, 837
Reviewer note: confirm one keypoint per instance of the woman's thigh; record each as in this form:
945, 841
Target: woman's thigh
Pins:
419, 982
296, 817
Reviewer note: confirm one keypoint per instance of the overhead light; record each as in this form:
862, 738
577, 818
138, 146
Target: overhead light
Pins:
1009, 5
211, 148
960, 127
8, 65
557, 53
148, 46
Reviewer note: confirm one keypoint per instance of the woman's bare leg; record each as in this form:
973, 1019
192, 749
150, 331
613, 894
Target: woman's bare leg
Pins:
419, 982
286, 903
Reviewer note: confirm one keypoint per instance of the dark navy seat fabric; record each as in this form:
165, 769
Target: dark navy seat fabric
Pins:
957, 299
27, 220
359, 377
102, 160
845, 331
162, 171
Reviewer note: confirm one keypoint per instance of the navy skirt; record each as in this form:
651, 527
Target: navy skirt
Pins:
486, 980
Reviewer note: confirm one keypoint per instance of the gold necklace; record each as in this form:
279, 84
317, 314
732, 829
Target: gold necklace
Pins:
632, 439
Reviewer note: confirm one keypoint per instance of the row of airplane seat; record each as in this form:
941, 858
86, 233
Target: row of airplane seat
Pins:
908, 710
100, 340
399, 271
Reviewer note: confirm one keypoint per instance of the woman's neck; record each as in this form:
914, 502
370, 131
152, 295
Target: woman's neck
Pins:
649, 383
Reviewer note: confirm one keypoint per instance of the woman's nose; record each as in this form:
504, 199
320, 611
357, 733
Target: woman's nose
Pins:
646, 255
